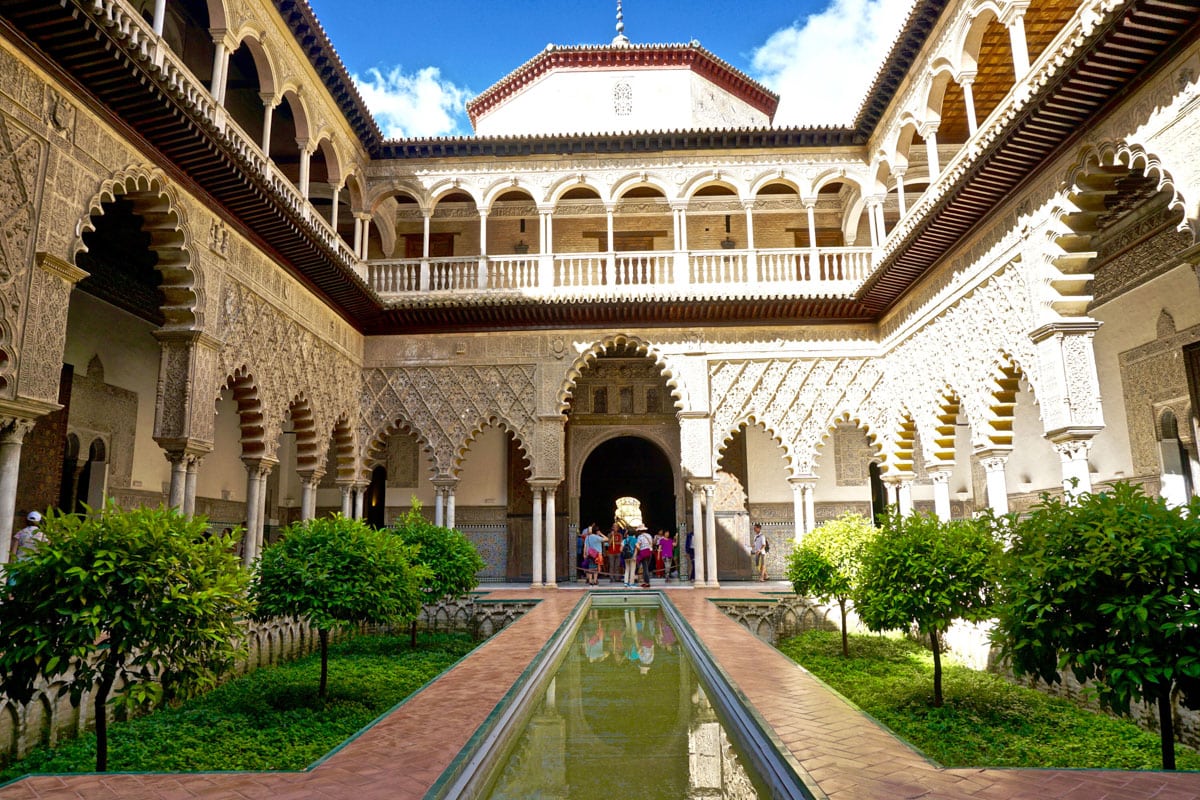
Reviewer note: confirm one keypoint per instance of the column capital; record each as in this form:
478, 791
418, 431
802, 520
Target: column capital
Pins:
802, 481
260, 465
965, 78
444, 482
1074, 448
929, 128
184, 447
313, 475
1065, 327
993, 458
940, 474
14, 429
1015, 13
549, 484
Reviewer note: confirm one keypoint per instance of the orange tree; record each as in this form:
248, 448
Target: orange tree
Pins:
452, 562
1108, 587
923, 572
136, 606
337, 573
826, 563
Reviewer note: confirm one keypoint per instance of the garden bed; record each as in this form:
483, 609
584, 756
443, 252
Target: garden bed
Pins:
985, 722
267, 720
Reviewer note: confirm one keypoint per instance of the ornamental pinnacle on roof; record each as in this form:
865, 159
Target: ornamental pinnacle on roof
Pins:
620, 40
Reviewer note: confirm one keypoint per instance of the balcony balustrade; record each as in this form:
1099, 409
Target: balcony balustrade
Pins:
802, 272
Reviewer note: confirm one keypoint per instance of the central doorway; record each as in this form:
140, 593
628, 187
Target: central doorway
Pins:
627, 466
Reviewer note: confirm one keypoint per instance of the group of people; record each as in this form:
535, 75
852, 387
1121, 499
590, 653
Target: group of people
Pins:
634, 643
634, 553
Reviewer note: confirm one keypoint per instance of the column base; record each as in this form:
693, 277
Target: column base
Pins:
549, 585
537, 585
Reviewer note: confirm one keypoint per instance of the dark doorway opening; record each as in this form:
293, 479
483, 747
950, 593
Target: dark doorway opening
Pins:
376, 498
627, 466
879, 498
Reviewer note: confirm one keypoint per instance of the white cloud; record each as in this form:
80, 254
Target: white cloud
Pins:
414, 105
823, 65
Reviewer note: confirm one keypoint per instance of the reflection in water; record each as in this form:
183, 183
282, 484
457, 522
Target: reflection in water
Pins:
624, 716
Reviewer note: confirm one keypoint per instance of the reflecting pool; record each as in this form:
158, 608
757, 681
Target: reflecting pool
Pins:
624, 716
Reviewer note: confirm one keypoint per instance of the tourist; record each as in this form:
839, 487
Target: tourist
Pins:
645, 555
613, 562
690, 548
29, 537
593, 553
666, 548
759, 552
629, 547
583, 532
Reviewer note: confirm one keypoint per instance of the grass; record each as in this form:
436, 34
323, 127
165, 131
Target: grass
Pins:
269, 719
985, 722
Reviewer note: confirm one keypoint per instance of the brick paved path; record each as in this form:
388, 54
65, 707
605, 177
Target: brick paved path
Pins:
847, 755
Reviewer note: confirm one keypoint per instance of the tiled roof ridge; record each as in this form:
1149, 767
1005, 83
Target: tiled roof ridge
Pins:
907, 45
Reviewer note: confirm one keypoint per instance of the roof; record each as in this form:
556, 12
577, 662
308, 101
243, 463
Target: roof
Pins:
626, 56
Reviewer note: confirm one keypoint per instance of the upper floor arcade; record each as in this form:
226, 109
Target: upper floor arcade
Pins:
798, 223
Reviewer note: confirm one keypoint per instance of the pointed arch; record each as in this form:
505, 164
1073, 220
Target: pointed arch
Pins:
164, 218
247, 399
483, 423
723, 437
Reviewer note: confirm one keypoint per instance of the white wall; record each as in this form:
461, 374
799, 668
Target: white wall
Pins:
766, 468
484, 477
130, 355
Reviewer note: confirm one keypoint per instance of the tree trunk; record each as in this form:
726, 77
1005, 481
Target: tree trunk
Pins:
323, 637
100, 709
412, 630
845, 636
937, 668
1166, 726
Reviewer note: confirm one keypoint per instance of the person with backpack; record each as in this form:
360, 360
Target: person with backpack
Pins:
645, 555
629, 557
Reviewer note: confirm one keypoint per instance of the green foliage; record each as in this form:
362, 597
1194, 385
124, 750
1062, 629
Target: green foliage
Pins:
827, 562
1108, 586
270, 719
926, 572
453, 562
338, 572
986, 721
138, 603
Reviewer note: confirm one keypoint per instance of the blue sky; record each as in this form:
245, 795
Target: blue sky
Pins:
417, 63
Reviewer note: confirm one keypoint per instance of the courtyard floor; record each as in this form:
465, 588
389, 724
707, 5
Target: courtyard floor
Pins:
846, 755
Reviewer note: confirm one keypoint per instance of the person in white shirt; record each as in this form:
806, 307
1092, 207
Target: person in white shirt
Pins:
759, 551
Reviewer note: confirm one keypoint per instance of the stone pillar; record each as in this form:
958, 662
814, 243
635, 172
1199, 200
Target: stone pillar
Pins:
175, 494
450, 507
810, 505
880, 222
12, 434
898, 174
873, 223
360, 491
220, 66
993, 462
334, 190
265, 467
254, 505
439, 514
798, 527
748, 205
966, 80
308, 493
269, 102
1077, 476
904, 496
699, 567
537, 537
929, 134
305, 166
941, 491
1014, 20
551, 573
347, 499
189, 485
710, 535
160, 16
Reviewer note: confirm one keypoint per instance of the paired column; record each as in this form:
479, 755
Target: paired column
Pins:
803, 506
545, 536
941, 491
1014, 20
537, 538
347, 490
898, 174
360, 493
1077, 476
443, 504
12, 433
258, 469
929, 134
189, 484
185, 471
220, 67
966, 80
269, 102
993, 462
309, 480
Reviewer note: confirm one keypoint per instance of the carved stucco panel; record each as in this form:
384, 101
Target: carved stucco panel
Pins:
446, 406
21, 159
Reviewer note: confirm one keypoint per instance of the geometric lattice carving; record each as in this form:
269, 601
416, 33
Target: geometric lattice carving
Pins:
446, 406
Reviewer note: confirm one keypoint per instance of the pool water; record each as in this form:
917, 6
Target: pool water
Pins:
624, 716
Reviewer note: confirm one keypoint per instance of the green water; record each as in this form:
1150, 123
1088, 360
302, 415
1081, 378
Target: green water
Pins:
624, 717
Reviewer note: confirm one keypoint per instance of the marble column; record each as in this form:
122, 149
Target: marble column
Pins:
710, 535
360, 493
550, 577
253, 510
189, 485
347, 499
175, 494
904, 500
1077, 476
699, 567
537, 537
810, 505
941, 492
966, 81
798, 527
1017, 41
993, 462
12, 433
